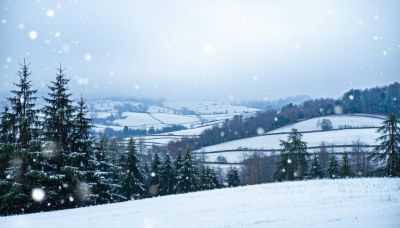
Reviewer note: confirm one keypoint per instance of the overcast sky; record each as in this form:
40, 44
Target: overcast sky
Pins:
236, 49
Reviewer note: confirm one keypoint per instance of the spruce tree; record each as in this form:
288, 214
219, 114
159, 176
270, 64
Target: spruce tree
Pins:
388, 151
333, 169
154, 176
132, 183
315, 170
58, 130
292, 162
188, 174
208, 179
167, 177
233, 177
345, 170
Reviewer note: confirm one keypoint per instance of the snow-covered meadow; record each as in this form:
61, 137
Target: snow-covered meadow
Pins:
366, 202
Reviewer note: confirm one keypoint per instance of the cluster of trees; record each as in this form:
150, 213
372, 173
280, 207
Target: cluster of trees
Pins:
296, 163
50, 160
128, 132
379, 100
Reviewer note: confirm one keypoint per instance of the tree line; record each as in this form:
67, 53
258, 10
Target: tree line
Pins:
50, 160
380, 100
296, 163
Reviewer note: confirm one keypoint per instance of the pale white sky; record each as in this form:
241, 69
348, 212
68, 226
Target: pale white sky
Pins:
203, 49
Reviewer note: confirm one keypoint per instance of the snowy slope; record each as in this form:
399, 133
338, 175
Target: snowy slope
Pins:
339, 137
319, 203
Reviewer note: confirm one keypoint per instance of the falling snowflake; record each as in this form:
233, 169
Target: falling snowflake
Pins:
208, 49
260, 131
87, 57
33, 35
66, 48
71, 199
153, 174
21, 26
57, 34
276, 119
3, 21
83, 81
9, 59
289, 161
38, 194
50, 13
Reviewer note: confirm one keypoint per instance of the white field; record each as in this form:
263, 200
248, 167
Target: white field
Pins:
209, 107
319, 203
337, 122
340, 137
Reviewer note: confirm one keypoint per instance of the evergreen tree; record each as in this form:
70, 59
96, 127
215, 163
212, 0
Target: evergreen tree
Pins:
315, 171
345, 170
292, 163
58, 130
132, 183
154, 178
167, 177
233, 177
188, 180
208, 179
333, 169
388, 151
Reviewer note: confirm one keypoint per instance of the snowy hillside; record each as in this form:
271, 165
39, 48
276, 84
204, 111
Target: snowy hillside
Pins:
337, 137
318, 203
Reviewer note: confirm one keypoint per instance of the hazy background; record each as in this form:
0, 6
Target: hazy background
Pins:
233, 50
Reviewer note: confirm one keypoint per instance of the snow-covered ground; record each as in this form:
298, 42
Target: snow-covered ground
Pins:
318, 203
339, 137
209, 107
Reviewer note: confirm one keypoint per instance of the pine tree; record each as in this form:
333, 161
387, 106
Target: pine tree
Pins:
167, 177
208, 179
132, 183
20, 133
388, 151
154, 178
188, 180
345, 170
233, 177
58, 130
333, 169
292, 163
315, 171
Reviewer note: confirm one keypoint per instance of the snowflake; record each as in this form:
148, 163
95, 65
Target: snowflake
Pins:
153, 174
87, 57
57, 34
276, 119
50, 13
21, 26
351, 97
66, 48
3, 21
289, 161
208, 49
9, 59
38, 194
33, 35
260, 131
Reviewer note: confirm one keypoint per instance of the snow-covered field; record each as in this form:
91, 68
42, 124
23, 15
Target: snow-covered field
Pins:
209, 107
339, 137
318, 203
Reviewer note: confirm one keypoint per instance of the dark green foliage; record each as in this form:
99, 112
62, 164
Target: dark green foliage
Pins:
132, 180
315, 169
188, 174
345, 170
154, 176
388, 151
233, 177
333, 169
167, 177
292, 162
208, 179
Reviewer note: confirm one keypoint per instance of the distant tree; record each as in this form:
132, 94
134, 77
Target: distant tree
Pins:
325, 125
388, 151
333, 169
208, 179
233, 177
292, 162
132, 183
154, 178
167, 177
315, 170
345, 170
188, 174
